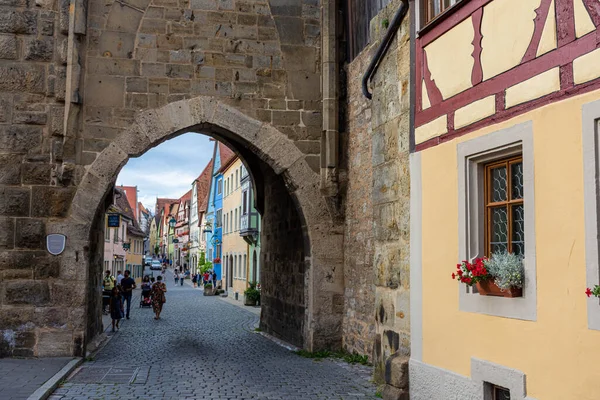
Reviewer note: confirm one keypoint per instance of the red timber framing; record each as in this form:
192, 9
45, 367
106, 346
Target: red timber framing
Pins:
569, 47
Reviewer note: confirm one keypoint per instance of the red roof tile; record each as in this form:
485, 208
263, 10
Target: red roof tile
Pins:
227, 155
203, 186
131, 192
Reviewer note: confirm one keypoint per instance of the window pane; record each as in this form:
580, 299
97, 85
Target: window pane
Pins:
516, 176
499, 233
518, 229
501, 394
499, 184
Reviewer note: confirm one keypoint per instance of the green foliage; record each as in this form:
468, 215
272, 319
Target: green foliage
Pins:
257, 330
206, 267
507, 269
156, 249
252, 293
202, 259
385, 23
379, 394
208, 286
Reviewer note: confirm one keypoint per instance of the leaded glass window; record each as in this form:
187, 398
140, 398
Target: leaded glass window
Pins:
505, 216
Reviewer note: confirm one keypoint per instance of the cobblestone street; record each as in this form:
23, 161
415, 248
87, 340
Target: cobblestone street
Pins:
205, 348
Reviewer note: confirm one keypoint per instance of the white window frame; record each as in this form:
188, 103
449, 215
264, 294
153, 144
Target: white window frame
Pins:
591, 173
472, 155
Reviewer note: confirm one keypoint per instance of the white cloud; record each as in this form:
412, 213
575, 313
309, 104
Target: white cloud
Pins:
169, 169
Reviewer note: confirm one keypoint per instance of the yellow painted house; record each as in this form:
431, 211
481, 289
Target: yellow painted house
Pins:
235, 248
505, 158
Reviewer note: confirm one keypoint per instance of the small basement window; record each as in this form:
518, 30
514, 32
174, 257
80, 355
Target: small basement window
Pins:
500, 393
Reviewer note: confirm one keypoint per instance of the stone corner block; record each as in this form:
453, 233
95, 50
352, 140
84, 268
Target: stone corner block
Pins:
396, 371
393, 393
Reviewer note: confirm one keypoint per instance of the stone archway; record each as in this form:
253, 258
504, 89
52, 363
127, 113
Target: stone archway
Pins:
257, 143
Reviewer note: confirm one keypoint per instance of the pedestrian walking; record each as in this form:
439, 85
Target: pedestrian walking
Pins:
108, 283
127, 286
205, 278
214, 279
119, 277
116, 307
181, 278
195, 279
158, 296
176, 275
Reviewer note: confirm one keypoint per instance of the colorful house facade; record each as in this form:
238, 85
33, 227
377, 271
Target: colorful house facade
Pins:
214, 238
505, 160
200, 188
250, 226
235, 249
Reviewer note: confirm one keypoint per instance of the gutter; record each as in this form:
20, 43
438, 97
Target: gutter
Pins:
383, 47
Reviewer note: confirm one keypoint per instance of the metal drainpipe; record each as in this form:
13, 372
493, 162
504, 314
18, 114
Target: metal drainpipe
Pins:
383, 47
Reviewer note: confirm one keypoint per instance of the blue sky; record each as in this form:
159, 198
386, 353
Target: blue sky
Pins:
169, 169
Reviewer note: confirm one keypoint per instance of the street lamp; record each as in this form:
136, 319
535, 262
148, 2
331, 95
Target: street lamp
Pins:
172, 222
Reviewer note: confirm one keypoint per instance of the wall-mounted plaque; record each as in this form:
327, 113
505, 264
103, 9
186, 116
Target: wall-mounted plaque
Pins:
55, 243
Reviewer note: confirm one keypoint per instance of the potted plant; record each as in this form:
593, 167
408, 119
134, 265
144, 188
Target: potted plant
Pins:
208, 289
501, 275
471, 273
251, 295
508, 275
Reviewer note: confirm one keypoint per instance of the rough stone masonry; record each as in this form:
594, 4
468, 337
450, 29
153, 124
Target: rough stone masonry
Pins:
86, 84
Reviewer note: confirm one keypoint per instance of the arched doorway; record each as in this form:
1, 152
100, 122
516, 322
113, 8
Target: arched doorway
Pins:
300, 248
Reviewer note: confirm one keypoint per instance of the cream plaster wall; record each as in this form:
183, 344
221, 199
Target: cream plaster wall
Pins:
583, 22
533, 88
425, 103
437, 127
475, 111
450, 59
558, 353
548, 39
507, 28
586, 67
233, 243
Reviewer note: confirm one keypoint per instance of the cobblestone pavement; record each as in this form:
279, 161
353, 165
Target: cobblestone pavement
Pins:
206, 348
19, 378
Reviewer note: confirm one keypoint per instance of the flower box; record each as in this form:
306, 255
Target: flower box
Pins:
489, 288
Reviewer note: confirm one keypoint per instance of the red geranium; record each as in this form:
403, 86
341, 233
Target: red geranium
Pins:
471, 273
593, 292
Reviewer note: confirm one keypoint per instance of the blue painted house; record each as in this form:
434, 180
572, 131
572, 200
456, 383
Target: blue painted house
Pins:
214, 213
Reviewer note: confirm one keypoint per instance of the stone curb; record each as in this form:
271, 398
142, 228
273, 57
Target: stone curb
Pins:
51, 384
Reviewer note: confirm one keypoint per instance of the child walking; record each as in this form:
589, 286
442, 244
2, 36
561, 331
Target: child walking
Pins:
116, 307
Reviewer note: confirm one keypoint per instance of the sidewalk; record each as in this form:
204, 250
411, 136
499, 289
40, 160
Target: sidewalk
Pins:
20, 378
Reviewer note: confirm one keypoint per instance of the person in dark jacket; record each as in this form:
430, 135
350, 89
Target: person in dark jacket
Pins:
116, 307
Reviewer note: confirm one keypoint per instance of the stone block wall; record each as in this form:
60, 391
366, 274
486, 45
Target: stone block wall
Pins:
35, 307
260, 56
283, 263
376, 249
72, 84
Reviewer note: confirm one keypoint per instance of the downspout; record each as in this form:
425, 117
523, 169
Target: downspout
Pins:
383, 47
